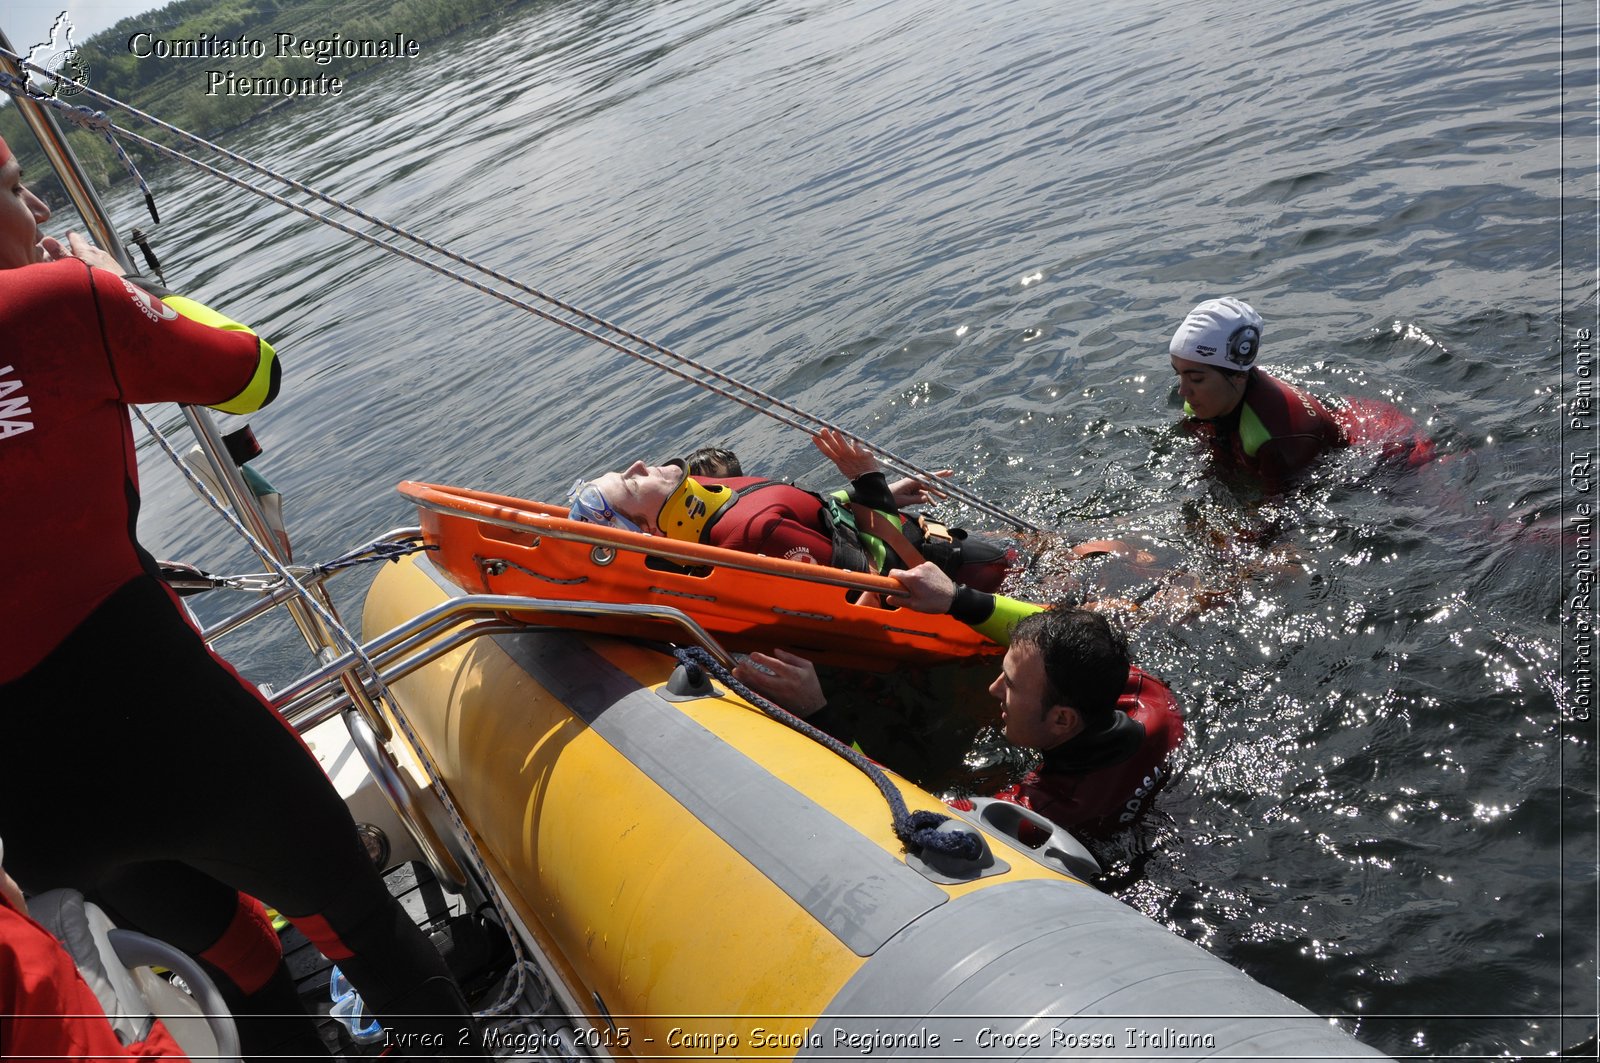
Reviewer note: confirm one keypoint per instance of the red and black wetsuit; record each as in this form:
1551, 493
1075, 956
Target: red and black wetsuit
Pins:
1099, 783
771, 518
1277, 430
137, 765
781, 520
79, 345
1274, 432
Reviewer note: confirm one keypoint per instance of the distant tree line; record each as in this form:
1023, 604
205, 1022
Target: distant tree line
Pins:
175, 89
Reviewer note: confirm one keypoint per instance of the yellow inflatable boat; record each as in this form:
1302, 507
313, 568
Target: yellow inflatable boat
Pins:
700, 880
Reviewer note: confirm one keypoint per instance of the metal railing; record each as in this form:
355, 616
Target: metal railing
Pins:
324, 692
432, 634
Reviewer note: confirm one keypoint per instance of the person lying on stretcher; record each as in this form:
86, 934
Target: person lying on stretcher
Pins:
860, 529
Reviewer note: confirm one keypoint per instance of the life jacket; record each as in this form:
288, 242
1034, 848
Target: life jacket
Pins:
1098, 795
697, 510
866, 552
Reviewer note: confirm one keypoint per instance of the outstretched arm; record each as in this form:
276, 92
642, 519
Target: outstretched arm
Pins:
179, 351
856, 461
848, 456
913, 492
261, 389
929, 590
867, 483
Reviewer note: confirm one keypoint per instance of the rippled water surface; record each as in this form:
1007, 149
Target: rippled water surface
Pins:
966, 230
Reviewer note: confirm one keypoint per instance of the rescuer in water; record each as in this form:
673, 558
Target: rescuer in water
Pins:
1105, 730
1261, 426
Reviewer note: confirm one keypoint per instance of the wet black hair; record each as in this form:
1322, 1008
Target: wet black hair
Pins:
1085, 658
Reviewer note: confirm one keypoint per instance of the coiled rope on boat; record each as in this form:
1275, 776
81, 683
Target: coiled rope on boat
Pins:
917, 830
655, 354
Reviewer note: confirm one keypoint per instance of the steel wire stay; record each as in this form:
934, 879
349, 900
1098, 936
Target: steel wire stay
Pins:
284, 578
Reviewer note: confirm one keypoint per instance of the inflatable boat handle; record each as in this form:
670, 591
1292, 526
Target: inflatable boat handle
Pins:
1060, 851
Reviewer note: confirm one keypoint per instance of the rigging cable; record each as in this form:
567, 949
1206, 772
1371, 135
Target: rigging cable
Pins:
720, 383
916, 829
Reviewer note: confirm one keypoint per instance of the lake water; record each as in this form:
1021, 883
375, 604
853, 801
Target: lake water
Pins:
966, 230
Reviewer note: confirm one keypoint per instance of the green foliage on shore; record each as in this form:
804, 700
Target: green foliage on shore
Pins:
175, 89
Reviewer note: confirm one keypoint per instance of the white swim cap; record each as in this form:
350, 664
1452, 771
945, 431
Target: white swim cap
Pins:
1225, 333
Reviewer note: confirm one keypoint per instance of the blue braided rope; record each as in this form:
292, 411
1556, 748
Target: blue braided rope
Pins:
374, 553
917, 830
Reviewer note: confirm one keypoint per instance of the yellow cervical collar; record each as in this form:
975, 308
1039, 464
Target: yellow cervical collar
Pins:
689, 508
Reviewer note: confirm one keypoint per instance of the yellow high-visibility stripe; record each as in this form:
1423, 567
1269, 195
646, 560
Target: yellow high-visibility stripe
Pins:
1008, 613
254, 394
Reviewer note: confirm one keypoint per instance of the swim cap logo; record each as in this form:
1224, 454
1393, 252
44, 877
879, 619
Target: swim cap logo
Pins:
64, 61
1243, 345
150, 306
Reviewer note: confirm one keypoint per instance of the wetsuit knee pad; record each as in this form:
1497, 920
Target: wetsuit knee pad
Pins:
358, 921
374, 942
249, 951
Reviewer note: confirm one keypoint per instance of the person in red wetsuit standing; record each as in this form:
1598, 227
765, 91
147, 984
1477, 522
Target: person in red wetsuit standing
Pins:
136, 765
1261, 425
1105, 730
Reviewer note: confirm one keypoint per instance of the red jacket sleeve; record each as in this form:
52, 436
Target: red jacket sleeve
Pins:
47, 1011
160, 355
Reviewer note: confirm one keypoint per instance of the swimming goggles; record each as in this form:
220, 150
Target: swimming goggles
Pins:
586, 503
